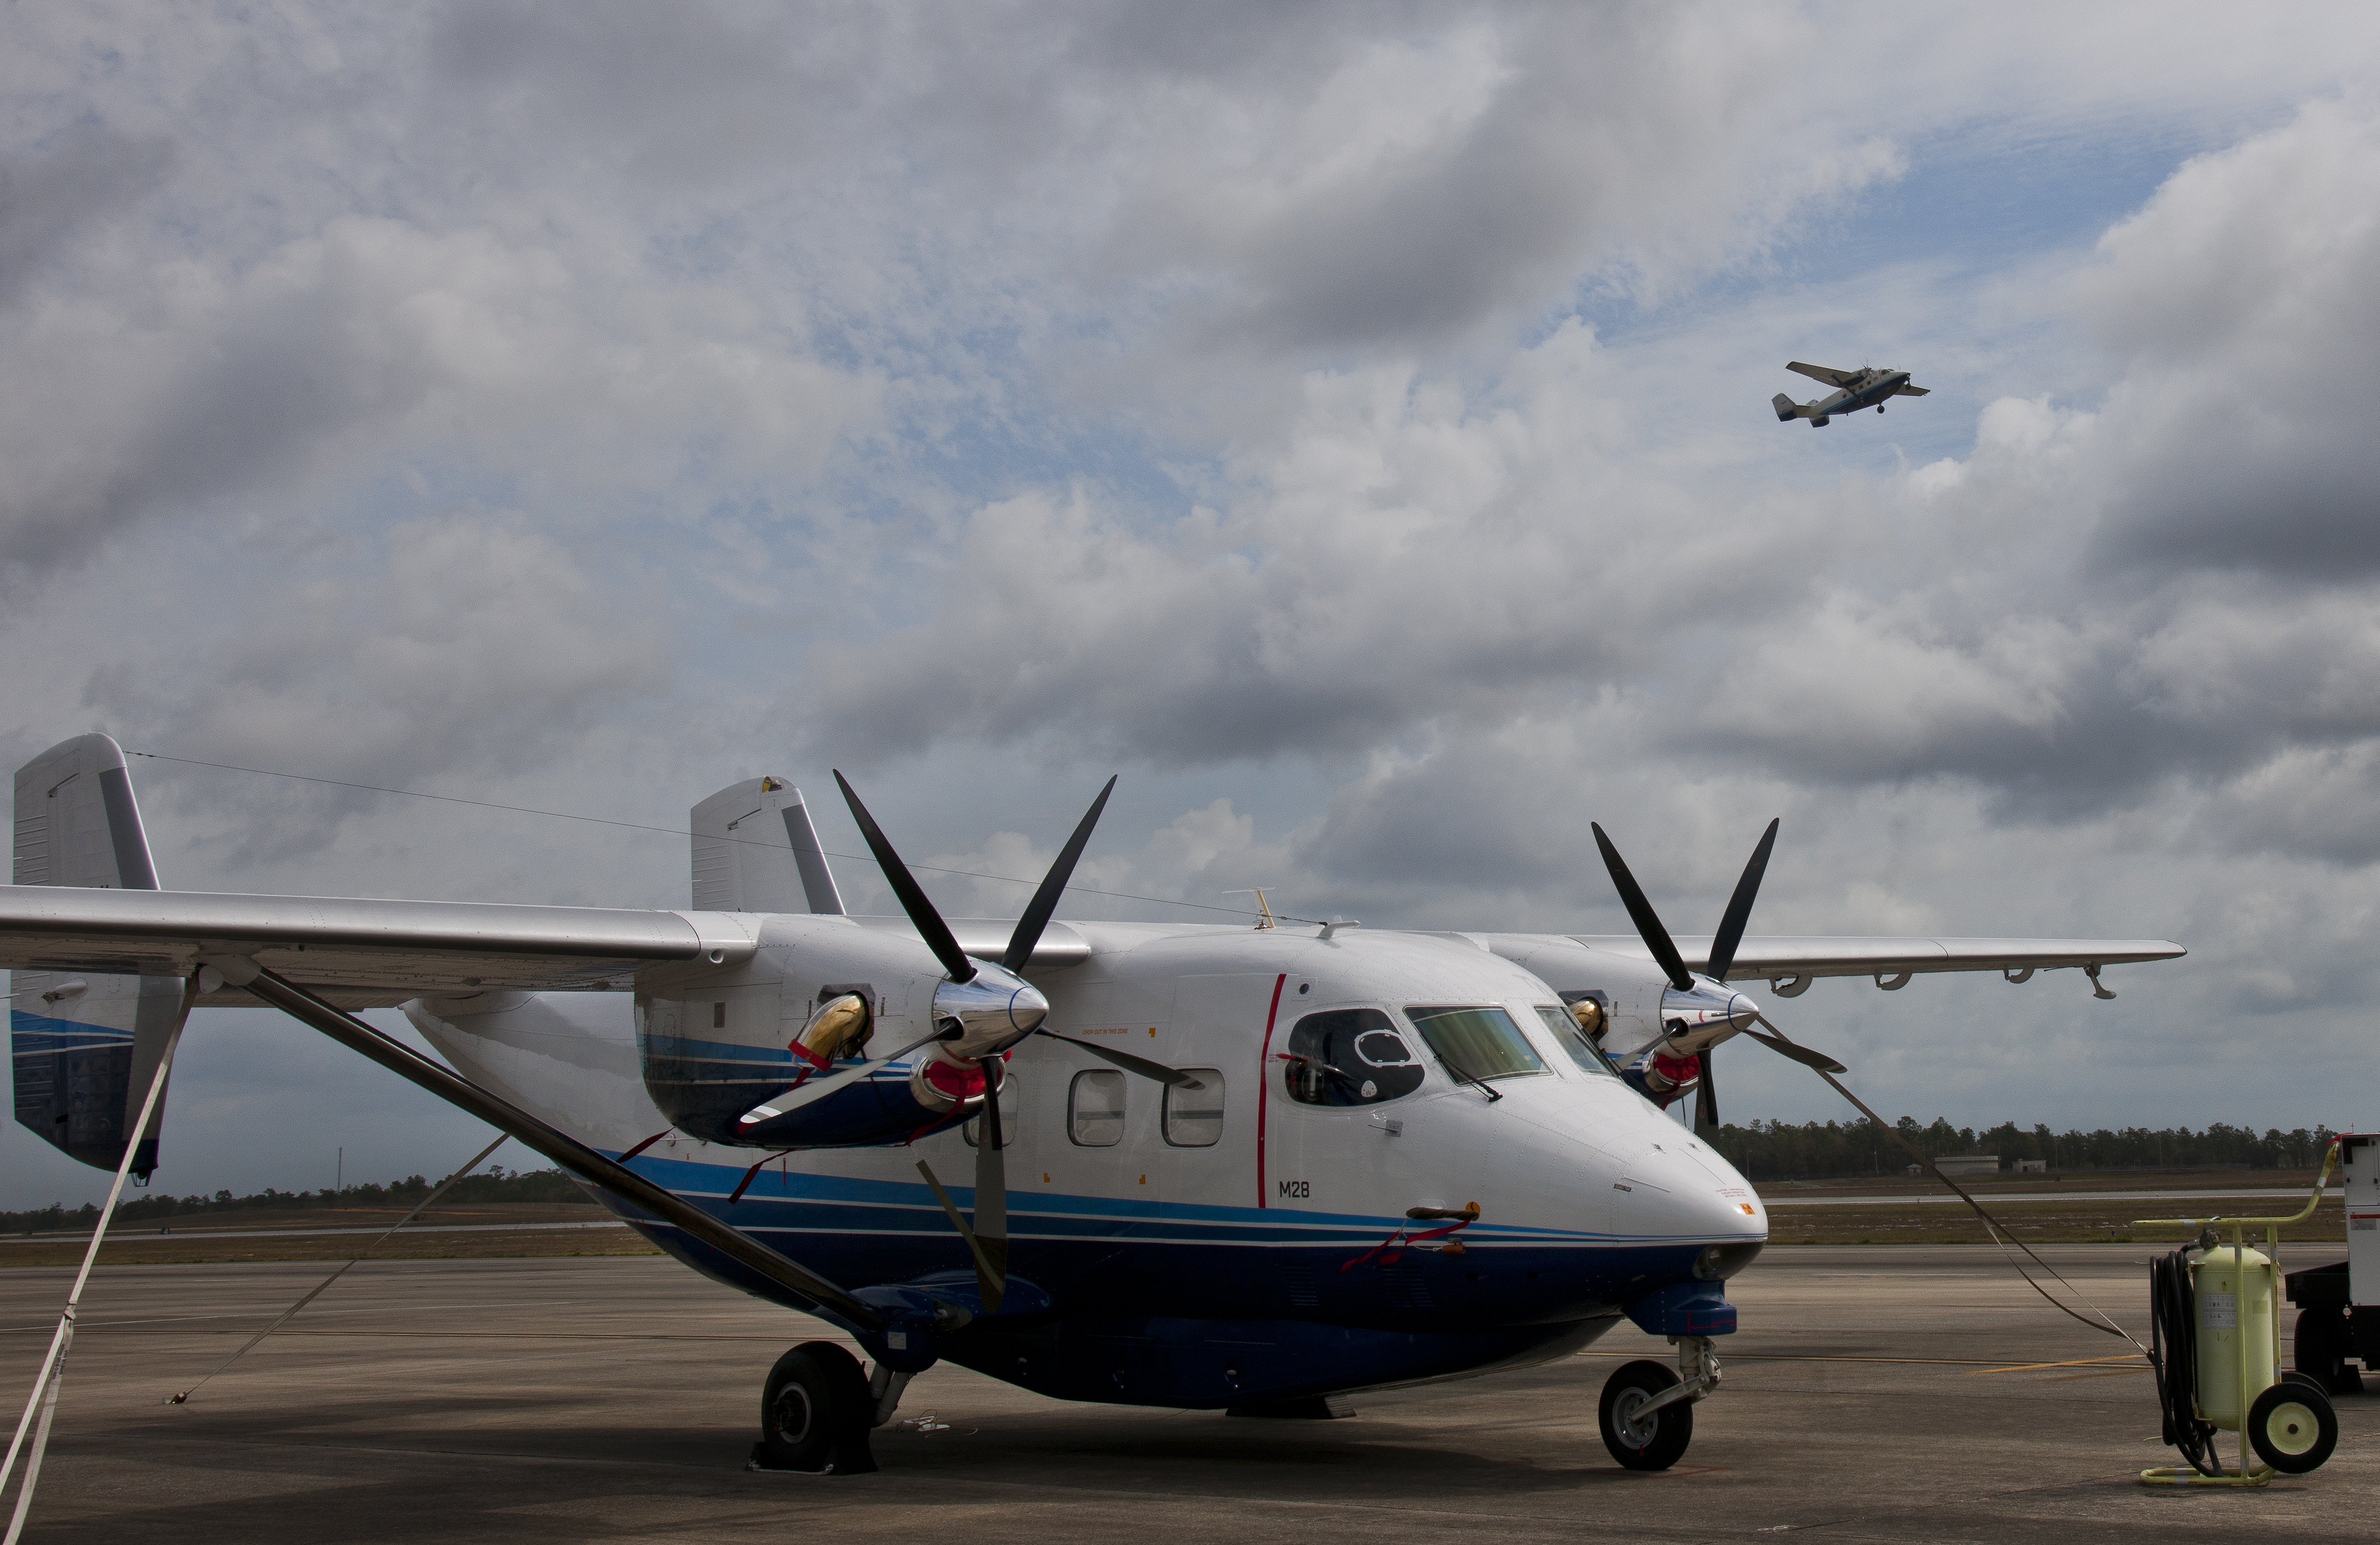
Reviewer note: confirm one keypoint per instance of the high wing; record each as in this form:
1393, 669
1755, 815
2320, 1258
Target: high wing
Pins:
363, 954
1777, 956
1820, 372
1906, 390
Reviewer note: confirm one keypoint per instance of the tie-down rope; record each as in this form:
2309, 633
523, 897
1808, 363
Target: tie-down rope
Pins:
1991, 1225
291, 1312
41, 1405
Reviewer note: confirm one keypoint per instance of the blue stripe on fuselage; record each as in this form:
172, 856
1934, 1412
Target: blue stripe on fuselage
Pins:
38, 1035
1167, 1303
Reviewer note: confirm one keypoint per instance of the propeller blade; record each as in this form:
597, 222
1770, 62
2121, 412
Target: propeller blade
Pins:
930, 927
1707, 1098
990, 1197
1738, 908
1045, 900
1131, 1063
1640, 912
1807, 1057
819, 1088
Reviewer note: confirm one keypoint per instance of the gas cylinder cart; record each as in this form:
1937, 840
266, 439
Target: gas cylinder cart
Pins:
2216, 1347
2338, 1304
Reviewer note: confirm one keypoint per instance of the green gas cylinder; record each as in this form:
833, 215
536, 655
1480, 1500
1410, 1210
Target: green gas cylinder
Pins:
2231, 1294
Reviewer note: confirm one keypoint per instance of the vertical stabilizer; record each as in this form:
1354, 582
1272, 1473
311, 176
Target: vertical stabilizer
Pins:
84, 1045
755, 851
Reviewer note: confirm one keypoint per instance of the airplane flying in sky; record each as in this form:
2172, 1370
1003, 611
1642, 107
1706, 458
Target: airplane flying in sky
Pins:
1220, 1167
1865, 387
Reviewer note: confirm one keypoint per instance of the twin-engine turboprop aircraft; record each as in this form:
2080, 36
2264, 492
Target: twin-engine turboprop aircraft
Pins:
1219, 1167
1865, 387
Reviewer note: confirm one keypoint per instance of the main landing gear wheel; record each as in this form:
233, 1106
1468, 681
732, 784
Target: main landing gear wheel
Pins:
1655, 1440
2292, 1427
815, 1414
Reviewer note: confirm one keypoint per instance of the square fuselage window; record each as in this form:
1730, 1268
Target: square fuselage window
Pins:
1194, 1118
1095, 1109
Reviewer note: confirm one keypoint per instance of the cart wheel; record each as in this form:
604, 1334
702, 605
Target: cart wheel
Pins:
1654, 1442
2293, 1427
2324, 1346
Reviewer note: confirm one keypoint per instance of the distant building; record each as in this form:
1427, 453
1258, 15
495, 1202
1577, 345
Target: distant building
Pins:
1969, 1164
2032, 1166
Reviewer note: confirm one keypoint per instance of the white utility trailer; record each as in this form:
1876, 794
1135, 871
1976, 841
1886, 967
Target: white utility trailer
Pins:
2338, 1304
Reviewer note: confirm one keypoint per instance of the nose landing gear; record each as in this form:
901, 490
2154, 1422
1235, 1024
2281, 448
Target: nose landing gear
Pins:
1646, 1415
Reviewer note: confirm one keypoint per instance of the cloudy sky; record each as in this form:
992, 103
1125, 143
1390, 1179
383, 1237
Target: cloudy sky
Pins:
1350, 423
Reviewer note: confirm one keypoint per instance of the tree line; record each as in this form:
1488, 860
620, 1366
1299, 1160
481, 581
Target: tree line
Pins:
493, 1184
1817, 1151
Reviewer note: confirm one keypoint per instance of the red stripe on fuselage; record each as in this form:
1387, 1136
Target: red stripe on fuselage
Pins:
1264, 1072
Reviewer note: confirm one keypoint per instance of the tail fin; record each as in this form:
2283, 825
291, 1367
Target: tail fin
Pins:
755, 851
1787, 409
84, 1046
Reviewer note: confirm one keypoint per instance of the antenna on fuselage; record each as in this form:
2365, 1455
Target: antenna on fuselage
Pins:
1267, 911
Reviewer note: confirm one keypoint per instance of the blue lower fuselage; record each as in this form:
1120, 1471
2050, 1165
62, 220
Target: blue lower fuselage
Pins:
1157, 1304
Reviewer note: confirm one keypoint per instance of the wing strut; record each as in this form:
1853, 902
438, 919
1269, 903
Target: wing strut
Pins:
563, 1149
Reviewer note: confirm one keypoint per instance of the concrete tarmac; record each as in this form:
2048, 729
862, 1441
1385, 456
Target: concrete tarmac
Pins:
1897, 1393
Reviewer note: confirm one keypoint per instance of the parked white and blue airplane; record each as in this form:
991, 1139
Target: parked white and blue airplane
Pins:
1250, 1169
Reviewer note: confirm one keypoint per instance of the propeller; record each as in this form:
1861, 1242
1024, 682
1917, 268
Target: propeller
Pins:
987, 1238
1739, 907
1712, 986
1037, 913
1722, 956
991, 1194
817, 1090
1641, 913
911, 895
1131, 1063
1807, 1057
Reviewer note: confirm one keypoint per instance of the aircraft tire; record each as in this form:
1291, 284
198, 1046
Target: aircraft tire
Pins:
815, 1414
1658, 1440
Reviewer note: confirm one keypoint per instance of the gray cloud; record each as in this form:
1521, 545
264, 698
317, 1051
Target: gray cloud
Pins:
58, 193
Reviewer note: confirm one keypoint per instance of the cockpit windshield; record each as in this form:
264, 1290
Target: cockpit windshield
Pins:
1477, 1044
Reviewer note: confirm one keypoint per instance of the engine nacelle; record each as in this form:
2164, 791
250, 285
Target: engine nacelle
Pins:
823, 992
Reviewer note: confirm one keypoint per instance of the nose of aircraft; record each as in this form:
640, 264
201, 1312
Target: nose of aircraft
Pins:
1706, 1194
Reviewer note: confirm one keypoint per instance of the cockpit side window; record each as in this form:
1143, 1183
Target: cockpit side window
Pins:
1566, 1028
1349, 1056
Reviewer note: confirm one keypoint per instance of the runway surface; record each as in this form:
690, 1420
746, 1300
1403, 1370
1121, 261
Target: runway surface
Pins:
1902, 1392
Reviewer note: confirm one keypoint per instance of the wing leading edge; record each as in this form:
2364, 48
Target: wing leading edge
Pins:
1778, 956
1822, 372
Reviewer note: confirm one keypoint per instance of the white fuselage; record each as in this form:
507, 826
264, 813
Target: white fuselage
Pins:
1568, 1163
